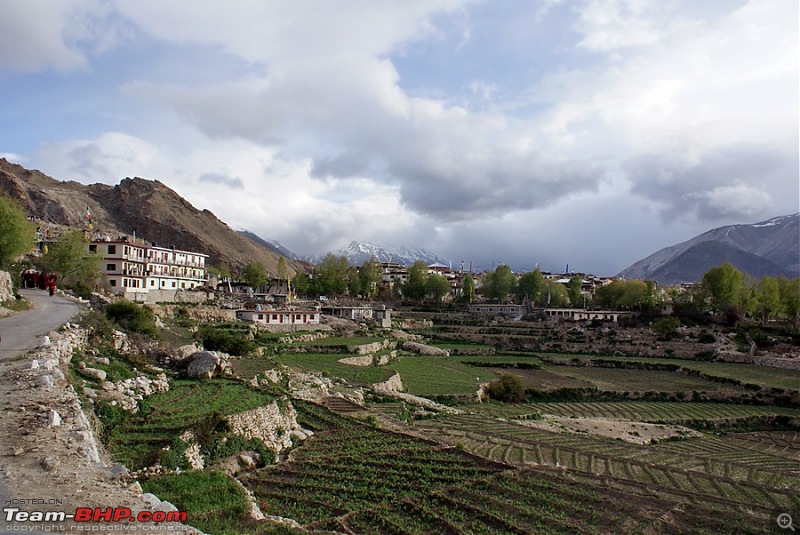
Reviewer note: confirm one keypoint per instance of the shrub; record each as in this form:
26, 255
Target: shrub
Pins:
507, 388
214, 339
132, 317
706, 338
666, 326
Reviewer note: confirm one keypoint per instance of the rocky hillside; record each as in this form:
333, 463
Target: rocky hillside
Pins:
769, 248
147, 208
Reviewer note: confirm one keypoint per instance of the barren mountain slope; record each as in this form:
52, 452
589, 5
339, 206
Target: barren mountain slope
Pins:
147, 208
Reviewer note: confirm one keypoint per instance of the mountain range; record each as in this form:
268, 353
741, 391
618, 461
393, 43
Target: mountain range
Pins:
768, 248
139, 207
151, 210
359, 252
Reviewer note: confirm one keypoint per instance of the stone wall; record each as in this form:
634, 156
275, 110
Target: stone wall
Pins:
178, 296
274, 424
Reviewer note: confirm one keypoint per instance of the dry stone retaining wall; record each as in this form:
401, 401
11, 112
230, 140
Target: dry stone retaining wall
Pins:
273, 424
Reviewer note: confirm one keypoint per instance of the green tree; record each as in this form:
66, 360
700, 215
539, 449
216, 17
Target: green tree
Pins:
353, 282
499, 284
553, 294
255, 275
574, 291
414, 287
437, 287
767, 298
331, 275
790, 299
302, 283
468, 288
610, 295
635, 295
725, 285
530, 285
70, 259
370, 275
17, 234
283, 271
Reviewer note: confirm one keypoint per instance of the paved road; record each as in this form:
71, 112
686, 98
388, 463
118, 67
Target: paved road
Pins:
21, 332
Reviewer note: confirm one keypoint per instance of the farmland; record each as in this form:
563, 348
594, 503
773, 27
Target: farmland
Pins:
600, 444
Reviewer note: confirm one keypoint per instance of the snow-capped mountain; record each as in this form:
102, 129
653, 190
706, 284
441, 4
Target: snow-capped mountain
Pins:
356, 252
770, 247
359, 252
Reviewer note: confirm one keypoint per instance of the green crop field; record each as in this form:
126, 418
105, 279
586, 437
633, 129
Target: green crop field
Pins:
627, 380
329, 364
639, 411
762, 376
354, 478
135, 439
431, 376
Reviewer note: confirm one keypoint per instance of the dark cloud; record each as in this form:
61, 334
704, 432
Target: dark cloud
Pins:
726, 182
219, 178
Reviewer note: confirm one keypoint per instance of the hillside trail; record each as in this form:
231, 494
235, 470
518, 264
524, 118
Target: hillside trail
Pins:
45, 467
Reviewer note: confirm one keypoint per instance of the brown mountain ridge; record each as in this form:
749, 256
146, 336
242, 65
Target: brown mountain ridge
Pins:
136, 206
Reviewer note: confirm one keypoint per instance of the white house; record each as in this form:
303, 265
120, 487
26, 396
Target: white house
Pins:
143, 272
124, 265
279, 317
173, 269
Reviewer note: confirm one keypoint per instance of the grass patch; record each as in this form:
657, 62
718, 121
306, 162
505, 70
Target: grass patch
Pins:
212, 500
440, 376
329, 364
17, 305
614, 379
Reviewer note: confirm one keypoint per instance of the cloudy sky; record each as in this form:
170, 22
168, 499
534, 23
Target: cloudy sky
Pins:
543, 131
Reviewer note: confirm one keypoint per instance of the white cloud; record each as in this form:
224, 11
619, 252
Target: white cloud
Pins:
39, 35
674, 108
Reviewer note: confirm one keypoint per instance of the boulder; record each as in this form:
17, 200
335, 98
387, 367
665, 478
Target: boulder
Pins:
93, 373
207, 364
422, 349
53, 419
6, 289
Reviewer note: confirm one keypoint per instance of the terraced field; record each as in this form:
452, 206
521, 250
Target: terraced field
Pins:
696, 466
358, 479
638, 411
135, 440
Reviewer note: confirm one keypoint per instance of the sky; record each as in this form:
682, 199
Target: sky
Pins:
552, 132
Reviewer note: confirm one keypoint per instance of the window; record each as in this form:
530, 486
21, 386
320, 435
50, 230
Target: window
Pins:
112, 249
111, 267
93, 248
174, 284
113, 282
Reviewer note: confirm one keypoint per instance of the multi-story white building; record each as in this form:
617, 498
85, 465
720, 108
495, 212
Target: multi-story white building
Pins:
124, 265
148, 273
172, 269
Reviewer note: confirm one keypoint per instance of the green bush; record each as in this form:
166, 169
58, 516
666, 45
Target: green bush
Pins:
507, 388
666, 326
214, 339
132, 317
